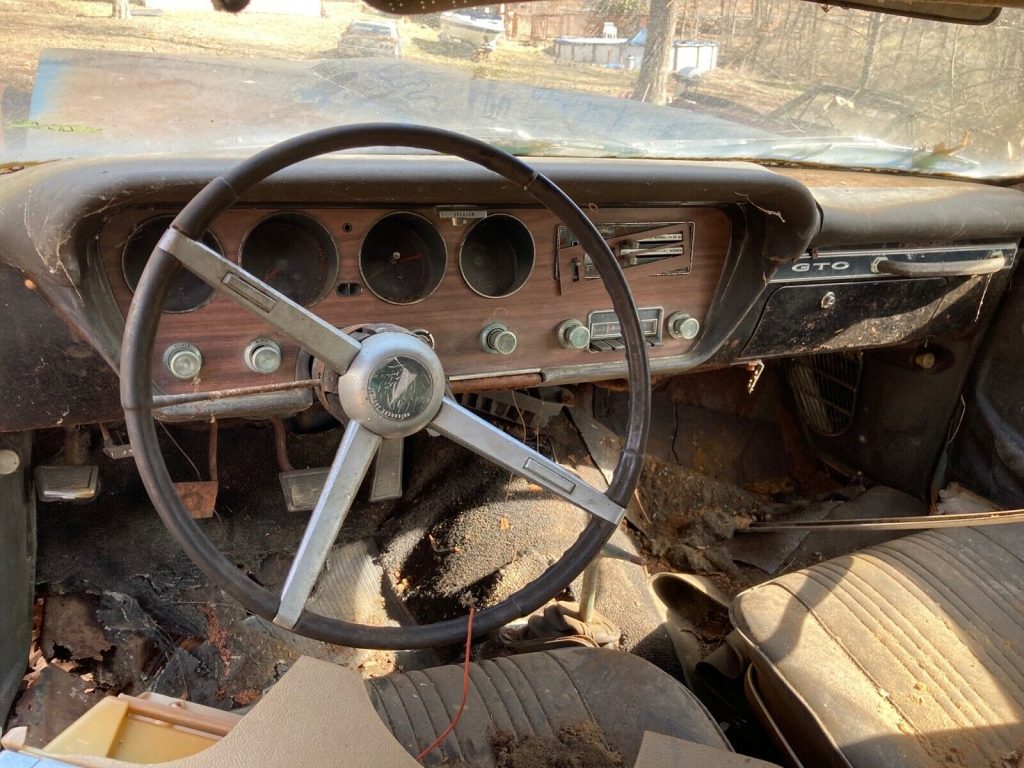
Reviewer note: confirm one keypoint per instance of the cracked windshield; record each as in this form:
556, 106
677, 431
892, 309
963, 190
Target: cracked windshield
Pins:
769, 80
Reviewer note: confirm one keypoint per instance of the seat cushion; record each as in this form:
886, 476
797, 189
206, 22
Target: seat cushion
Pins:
909, 653
539, 694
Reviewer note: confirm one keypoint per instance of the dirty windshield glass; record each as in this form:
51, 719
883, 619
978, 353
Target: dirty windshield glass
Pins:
778, 80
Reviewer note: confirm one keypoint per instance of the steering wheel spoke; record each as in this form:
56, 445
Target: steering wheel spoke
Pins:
315, 335
470, 431
355, 454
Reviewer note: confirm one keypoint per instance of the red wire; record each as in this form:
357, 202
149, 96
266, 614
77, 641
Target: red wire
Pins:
465, 691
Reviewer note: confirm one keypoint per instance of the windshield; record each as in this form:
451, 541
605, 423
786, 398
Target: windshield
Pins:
768, 80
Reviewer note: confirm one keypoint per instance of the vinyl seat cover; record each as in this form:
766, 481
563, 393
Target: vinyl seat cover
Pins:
909, 653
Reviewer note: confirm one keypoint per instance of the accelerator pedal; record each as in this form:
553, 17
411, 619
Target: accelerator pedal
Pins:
387, 470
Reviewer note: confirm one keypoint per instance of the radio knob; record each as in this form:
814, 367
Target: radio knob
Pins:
682, 326
572, 334
496, 339
263, 356
183, 360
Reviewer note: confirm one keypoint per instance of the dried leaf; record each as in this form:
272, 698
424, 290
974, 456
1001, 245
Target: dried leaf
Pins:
943, 149
246, 696
504, 524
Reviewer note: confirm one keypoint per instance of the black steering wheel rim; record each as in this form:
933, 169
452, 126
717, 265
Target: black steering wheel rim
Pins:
136, 381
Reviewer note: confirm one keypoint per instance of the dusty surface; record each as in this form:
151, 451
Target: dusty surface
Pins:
777, 66
580, 746
687, 516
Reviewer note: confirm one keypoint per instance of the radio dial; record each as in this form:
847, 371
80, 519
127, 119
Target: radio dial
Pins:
572, 334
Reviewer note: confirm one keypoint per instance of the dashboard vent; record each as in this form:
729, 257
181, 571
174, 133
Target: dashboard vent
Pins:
825, 388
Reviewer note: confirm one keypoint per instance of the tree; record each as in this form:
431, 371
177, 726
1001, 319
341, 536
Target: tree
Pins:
120, 9
652, 84
874, 34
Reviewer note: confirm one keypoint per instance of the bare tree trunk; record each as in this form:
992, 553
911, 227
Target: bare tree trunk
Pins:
120, 9
732, 24
653, 81
874, 32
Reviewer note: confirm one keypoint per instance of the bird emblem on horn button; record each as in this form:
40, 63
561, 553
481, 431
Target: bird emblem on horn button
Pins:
401, 388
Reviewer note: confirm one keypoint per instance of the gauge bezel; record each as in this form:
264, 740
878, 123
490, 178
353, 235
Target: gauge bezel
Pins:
442, 272
209, 239
318, 230
515, 221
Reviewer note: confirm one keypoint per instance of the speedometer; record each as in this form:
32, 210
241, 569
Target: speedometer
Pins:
294, 254
402, 259
497, 256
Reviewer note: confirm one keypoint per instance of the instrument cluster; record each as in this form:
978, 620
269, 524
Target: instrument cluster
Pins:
502, 292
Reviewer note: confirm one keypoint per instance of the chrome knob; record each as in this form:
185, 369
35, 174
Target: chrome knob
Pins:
496, 339
263, 356
183, 360
572, 334
682, 326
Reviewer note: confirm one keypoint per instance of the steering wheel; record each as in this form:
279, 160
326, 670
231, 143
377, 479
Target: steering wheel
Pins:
390, 384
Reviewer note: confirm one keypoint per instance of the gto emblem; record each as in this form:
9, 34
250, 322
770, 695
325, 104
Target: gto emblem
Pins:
400, 389
820, 266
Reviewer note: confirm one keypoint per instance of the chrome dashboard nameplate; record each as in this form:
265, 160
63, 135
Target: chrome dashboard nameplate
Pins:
861, 264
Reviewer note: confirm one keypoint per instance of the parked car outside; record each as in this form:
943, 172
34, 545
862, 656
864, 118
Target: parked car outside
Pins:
370, 38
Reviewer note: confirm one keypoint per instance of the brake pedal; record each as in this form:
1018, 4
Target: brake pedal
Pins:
67, 483
302, 487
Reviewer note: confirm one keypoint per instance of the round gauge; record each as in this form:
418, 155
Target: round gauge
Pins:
497, 256
402, 259
293, 254
187, 292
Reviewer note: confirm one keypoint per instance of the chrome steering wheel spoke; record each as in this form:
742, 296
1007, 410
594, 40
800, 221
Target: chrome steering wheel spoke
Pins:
312, 333
358, 448
472, 432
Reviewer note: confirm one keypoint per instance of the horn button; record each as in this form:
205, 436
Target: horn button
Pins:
394, 386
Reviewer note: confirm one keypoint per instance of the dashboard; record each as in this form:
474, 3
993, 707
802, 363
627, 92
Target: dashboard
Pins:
502, 292
729, 263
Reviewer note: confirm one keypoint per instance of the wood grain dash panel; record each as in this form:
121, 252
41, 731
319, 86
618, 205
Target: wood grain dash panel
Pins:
454, 314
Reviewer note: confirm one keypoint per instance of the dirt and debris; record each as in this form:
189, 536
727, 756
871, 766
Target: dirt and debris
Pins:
689, 516
70, 629
575, 746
